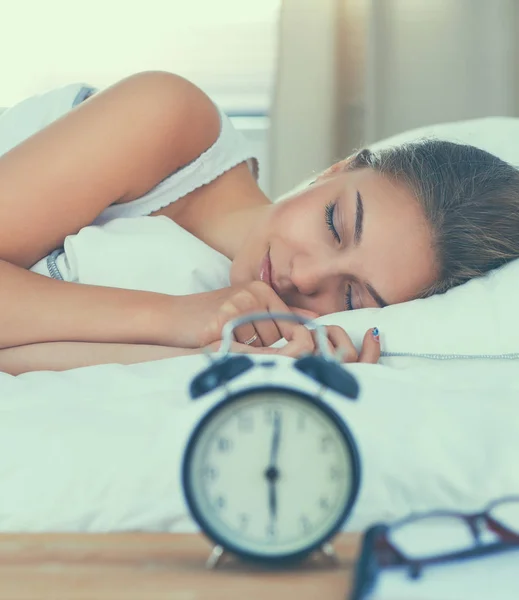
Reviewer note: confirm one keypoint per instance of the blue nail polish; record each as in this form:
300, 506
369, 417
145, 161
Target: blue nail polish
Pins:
375, 332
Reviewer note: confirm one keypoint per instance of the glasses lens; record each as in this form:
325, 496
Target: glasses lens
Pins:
432, 536
507, 514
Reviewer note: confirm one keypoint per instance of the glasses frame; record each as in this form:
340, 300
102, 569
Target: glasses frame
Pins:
379, 552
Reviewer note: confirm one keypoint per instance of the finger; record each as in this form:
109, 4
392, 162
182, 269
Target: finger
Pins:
370, 352
342, 344
285, 327
239, 306
302, 342
261, 296
248, 335
317, 342
268, 332
249, 301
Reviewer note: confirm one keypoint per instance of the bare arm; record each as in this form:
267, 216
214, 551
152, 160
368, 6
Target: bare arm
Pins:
61, 356
35, 308
113, 148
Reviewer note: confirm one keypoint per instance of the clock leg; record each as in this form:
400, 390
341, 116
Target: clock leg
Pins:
214, 558
328, 551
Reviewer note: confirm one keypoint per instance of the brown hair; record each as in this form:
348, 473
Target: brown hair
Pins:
470, 199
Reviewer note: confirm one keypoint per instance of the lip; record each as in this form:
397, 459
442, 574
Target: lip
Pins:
266, 269
267, 273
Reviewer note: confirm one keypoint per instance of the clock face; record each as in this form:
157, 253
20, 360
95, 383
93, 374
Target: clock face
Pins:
271, 473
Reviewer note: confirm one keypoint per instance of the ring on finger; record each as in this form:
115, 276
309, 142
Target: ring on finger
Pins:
251, 340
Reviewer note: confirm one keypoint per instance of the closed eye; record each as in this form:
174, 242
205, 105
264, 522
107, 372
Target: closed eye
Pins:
349, 302
329, 209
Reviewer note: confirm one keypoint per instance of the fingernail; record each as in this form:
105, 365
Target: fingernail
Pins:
376, 334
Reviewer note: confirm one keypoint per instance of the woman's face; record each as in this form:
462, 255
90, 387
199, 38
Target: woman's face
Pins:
350, 240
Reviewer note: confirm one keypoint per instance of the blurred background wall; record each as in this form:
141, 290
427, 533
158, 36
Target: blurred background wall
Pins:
350, 72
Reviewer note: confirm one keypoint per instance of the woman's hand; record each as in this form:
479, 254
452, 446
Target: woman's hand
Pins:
339, 343
210, 311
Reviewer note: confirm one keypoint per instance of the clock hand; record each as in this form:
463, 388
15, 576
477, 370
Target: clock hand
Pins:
276, 434
273, 501
272, 473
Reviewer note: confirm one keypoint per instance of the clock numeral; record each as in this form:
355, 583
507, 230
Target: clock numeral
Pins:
306, 526
220, 502
335, 473
210, 473
244, 521
324, 503
224, 444
271, 413
245, 422
326, 443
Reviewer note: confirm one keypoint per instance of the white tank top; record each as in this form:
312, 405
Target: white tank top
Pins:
124, 247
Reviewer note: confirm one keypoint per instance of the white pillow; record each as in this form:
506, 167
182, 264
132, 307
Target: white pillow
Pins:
497, 135
479, 319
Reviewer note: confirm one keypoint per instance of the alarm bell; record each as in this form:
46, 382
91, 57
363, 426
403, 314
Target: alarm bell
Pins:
325, 369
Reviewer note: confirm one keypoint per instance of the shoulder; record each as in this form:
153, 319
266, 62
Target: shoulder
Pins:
177, 112
218, 153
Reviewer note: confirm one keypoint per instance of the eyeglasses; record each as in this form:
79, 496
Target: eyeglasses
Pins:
436, 537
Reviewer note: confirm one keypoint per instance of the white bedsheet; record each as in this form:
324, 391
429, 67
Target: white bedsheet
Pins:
99, 448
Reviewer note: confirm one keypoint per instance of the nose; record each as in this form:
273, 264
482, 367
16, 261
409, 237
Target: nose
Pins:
312, 275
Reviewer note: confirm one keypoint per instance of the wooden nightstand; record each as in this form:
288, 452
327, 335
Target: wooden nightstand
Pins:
160, 566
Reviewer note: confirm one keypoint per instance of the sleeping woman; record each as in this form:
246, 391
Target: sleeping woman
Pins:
90, 198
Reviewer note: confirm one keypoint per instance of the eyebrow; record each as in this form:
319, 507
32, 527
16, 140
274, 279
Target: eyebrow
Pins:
359, 220
357, 236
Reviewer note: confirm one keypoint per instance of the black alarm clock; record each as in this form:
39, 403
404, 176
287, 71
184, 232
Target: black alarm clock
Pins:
271, 472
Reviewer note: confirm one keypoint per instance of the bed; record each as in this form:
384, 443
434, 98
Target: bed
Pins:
99, 449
